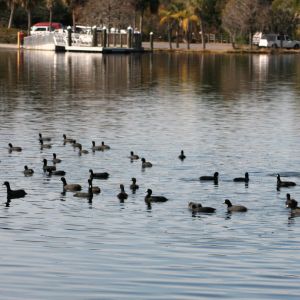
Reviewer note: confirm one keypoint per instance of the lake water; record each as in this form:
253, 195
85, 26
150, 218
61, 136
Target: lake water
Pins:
229, 113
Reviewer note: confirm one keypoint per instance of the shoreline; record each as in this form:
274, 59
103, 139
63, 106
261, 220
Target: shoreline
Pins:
216, 48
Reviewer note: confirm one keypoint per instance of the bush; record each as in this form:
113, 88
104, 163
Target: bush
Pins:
8, 36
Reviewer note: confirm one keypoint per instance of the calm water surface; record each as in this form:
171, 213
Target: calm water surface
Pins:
230, 114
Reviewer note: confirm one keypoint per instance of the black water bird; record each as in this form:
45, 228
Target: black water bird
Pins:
27, 171
242, 179
14, 148
103, 175
182, 155
122, 195
44, 139
134, 186
234, 208
73, 187
13, 194
214, 178
293, 205
46, 168
281, 183
149, 198
146, 164
197, 207
133, 156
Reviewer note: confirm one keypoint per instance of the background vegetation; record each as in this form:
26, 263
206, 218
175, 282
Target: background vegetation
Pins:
172, 20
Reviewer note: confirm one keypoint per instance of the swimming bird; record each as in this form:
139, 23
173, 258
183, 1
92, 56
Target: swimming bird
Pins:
146, 164
134, 186
14, 148
149, 198
96, 147
103, 175
242, 179
88, 195
122, 195
95, 189
182, 155
281, 183
67, 140
75, 144
293, 205
28, 172
45, 146
104, 147
133, 156
288, 199
73, 187
56, 160
56, 173
13, 194
234, 208
46, 168
197, 207
82, 151
44, 139
214, 178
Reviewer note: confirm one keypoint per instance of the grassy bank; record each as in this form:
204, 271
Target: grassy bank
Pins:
8, 36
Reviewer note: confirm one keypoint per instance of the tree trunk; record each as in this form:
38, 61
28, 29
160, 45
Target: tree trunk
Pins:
202, 34
74, 19
170, 35
50, 18
141, 23
177, 36
29, 20
11, 16
188, 36
233, 40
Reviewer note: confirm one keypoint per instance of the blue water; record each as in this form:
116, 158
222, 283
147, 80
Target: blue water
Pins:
229, 113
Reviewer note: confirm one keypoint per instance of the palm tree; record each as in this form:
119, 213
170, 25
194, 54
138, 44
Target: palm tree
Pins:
29, 5
187, 20
50, 4
166, 17
198, 6
141, 6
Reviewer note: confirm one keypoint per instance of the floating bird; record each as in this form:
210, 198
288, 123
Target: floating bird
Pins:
281, 183
46, 168
44, 139
13, 194
28, 172
103, 175
133, 156
104, 147
82, 151
134, 186
214, 178
75, 144
197, 207
122, 195
96, 147
181, 155
242, 179
56, 173
67, 140
88, 195
70, 187
95, 189
56, 160
14, 148
146, 164
288, 199
293, 205
149, 198
234, 208
45, 146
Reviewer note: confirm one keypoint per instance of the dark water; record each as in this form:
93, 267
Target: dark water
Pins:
230, 114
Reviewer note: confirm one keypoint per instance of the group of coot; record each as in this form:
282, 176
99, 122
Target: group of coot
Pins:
149, 198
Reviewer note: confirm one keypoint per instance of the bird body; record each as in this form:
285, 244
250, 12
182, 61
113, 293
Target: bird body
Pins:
88, 195
67, 140
133, 156
242, 179
56, 160
134, 186
14, 148
13, 194
45, 146
215, 177
281, 183
197, 207
103, 175
75, 144
149, 198
28, 171
293, 205
182, 155
235, 208
70, 187
56, 173
122, 195
82, 151
44, 139
46, 168
146, 164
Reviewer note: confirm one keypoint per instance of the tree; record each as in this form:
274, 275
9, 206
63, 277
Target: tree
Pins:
29, 5
73, 6
166, 17
11, 4
50, 4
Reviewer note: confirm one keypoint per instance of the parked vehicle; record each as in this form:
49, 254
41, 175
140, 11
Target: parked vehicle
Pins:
256, 38
43, 27
278, 41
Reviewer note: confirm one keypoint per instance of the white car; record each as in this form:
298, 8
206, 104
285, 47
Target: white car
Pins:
278, 41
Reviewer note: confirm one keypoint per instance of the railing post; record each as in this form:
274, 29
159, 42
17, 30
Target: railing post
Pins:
151, 41
104, 37
69, 29
129, 37
95, 37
